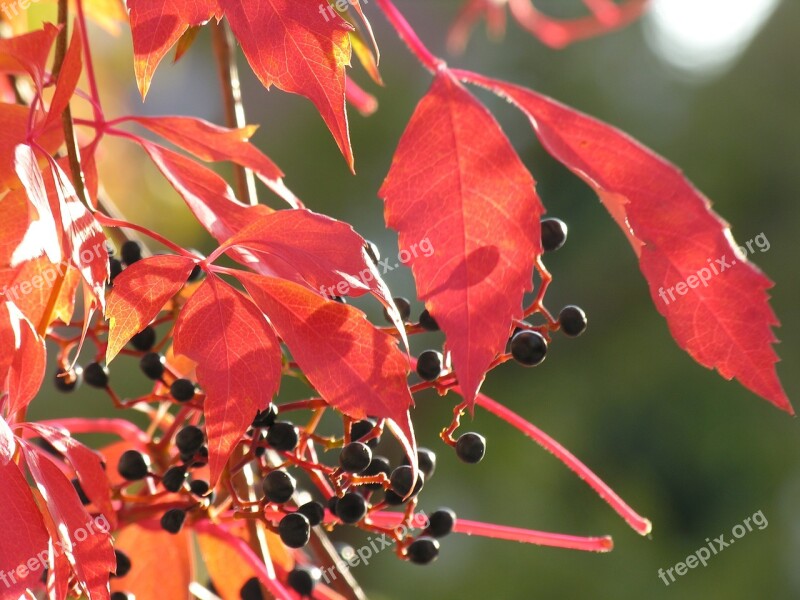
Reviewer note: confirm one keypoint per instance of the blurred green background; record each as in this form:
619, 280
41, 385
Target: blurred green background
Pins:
694, 453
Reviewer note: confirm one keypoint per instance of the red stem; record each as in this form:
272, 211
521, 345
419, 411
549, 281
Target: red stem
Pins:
124, 429
409, 36
109, 222
90, 76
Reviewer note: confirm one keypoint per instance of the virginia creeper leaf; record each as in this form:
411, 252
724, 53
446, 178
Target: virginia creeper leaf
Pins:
27, 53
456, 181
139, 294
724, 322
238, 362
25, 370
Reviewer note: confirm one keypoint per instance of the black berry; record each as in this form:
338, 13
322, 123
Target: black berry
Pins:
429, 365
131, 252
266, 417
145, 339
423, 550
133, 465
573, 320
303, 580
393, 499
196, 274
123, 564
554, 234
283, 436
122, 596
114, 269
173, 519
313, 511
182, 390
378, 465
361, 429
355, 457
173, 478
470, 447
96, 375
81, 493
427, 322
441, 522
278, 486
199, 487
426, 461
528, 348
190, 439
251, 590
152, 365
351, 507
68, 381
403, 307
332, 502
403, 483
295, 530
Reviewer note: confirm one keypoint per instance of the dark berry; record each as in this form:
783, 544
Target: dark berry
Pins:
133, 465
441, 522
528, 348
314, 512
471, 447
302, 580
423, 550
351, 507
114, 269
266, 417
295, 530
190, 439
122, 596
173, 478
554, 234
199, 487
67, 381
251, 590
403, 482
182, 390
96, 375
196, 274
429, 365
85, 500
362, 428
131, 252
152, 365
427, 322
283, 436
572, 320
278, 486
403, 307
426, 461
173, 519
378, 465
332, 502
393, 499
372, 251
355, 457
123, 564
145, 339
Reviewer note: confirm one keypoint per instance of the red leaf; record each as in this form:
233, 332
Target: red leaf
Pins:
726, 324
239, 362
210, 142
355, 367
84, 538
139, 294
68, 77
24, 534
153, 551
26, 367
289, 44
27, 169
456, 182
8, 445
28, 53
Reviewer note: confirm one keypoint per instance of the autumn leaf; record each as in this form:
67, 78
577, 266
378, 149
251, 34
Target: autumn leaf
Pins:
724, 320
456, 182
238, 362
21, 370
153, 550
139, 294
356, 368
27, 54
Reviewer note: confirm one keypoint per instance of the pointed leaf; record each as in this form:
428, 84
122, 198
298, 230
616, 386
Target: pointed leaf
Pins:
28, 360
724, 321
456, 182
238, 362
139, 294
28, 53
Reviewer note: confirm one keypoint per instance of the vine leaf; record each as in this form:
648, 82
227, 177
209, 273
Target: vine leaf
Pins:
723, 318
238, 363
456, 182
